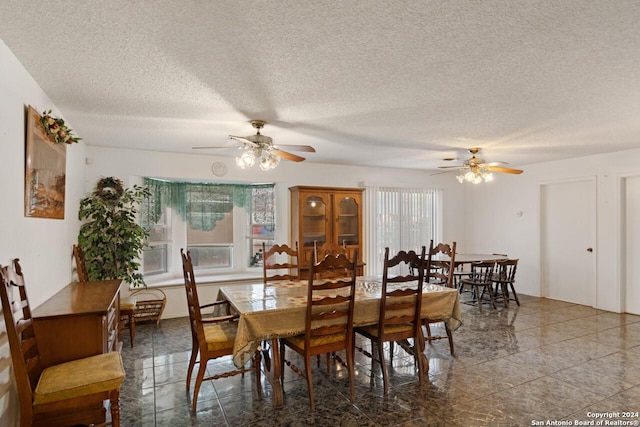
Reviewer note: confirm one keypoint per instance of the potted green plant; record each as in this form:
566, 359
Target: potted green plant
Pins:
110, 236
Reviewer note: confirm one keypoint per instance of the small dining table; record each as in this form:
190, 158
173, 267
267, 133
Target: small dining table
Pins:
470, 258
277, 309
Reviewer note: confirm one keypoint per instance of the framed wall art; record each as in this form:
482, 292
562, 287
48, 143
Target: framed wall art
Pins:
45, 171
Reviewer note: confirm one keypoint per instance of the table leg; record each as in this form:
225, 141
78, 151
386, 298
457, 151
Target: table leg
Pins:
272, 369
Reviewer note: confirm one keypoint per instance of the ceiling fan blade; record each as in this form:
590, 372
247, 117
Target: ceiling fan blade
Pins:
451, 167
206, 148
440, 173
243, 140
504, 170
307, 148
286, 155
495, 163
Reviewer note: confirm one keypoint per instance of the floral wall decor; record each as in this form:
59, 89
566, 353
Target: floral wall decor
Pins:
56, 129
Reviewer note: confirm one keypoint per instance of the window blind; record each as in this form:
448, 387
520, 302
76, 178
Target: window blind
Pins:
401, 219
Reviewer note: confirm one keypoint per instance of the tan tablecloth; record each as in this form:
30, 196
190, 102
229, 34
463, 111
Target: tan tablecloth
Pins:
278, 310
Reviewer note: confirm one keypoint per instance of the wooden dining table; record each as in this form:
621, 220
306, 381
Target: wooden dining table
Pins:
470, 258
275, 310
462, 259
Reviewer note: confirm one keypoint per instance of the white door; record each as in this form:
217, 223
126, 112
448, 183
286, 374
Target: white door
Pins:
568, 241
632, 245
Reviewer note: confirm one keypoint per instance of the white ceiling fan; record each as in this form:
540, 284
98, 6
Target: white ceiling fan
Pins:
476, 170
261, 147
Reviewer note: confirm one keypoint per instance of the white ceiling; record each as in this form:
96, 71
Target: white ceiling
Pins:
384, 83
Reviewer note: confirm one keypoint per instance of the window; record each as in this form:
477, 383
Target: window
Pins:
262, 222
212, 248
155, 257
222, 225
401, 219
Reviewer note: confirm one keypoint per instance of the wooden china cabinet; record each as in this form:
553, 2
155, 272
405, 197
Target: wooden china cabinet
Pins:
322, 215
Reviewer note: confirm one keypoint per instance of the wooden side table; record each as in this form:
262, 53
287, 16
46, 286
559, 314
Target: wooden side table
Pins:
79, 321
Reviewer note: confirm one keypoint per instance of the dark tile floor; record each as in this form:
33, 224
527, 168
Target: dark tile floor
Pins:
545, 361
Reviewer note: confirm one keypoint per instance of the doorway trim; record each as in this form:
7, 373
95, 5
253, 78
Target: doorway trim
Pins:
621, 247
592, 180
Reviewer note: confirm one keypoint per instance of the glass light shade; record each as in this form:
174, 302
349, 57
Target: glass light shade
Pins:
475, 176
269, 161
246, 160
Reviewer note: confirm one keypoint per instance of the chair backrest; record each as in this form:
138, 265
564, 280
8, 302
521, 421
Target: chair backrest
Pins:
441, 264
482, 272
401, 294
277, 259
330, 302
81, 265
328, 248
21, 334
193, 303
506, 270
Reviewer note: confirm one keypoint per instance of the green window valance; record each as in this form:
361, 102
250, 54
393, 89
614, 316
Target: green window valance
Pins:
199, 204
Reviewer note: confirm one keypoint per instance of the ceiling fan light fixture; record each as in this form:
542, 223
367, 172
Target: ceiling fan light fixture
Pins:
475, 170
269, 161
475, 176
246, 160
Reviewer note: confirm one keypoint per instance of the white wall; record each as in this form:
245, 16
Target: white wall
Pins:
42, 245
494, 225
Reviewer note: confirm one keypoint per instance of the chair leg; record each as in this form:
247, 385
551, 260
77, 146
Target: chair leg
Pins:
192, 361
493, 300
505, 294
515, 295
383, 365
426, 325
450, 337
132, 327
418, 352
256, 361
307, 368
476, 289
282, 350
114, 400
201, 371
350, 366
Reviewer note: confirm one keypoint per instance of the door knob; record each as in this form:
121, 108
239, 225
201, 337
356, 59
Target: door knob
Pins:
589, 249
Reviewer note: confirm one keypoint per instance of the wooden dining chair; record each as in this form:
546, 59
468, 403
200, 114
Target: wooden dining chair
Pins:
481, 282
211, 337
440, 272
504, 278
328, 319
399, 318
331, 249
280, 262
81, 264
127, 304
70, 393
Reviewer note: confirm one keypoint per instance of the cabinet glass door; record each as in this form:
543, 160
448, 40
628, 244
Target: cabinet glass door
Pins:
347, 219
314, 221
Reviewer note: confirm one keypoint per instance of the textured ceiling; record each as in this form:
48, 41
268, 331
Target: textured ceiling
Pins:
387, 83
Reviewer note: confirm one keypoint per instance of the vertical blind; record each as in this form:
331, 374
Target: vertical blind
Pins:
401, 219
